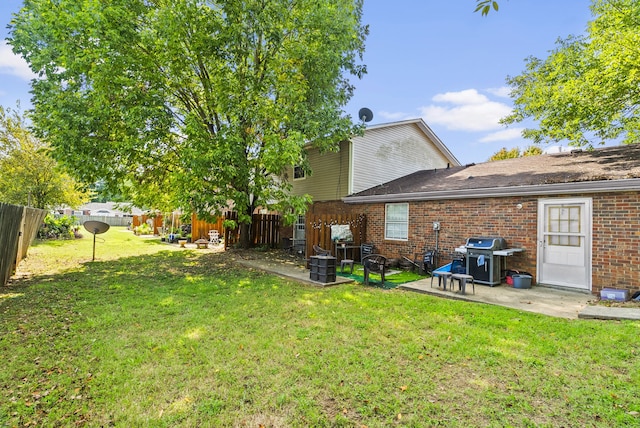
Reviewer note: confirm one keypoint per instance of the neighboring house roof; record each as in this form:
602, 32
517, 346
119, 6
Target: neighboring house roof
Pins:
600, 170
111, 207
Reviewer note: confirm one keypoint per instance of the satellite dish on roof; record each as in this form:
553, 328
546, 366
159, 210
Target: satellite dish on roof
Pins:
365, 114
95, 227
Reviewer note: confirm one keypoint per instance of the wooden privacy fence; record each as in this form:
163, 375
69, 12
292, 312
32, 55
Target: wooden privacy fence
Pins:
318, 230
140, 219
18, 228
265, 230
201, 228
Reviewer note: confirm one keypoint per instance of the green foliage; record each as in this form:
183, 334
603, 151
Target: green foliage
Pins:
57, 227
484, 6
532, 151
503, 153
586, 90
143, 229
28, 174
191, 103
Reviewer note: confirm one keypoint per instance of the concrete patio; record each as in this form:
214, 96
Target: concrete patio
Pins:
543, 300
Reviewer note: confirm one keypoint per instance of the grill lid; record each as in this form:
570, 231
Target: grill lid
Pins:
485, 243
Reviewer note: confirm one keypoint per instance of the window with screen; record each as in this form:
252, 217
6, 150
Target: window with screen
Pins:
397, 221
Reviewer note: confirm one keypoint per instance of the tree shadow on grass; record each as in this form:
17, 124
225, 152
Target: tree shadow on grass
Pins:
160, 269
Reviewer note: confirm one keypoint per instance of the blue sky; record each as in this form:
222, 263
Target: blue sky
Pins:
434, 59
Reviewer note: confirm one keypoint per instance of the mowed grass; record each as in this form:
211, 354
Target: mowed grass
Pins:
151, 336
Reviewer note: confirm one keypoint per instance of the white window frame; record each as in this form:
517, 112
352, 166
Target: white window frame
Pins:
299, 232
396, 229
297, 169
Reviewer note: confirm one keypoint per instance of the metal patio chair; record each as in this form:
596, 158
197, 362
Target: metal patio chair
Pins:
214, 237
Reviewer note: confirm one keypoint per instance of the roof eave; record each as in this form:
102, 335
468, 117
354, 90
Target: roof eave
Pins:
498, 192
436, 140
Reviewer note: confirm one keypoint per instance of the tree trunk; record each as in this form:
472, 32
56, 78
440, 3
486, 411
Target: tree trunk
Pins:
246, 239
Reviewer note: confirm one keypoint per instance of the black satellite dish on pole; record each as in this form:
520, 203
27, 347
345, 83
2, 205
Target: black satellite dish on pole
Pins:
95, 227
365, 114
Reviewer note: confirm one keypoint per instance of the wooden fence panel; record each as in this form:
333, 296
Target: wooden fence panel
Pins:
318, 230
231, 236
32, 220
265, 229
201, 228
10, 225
140, 219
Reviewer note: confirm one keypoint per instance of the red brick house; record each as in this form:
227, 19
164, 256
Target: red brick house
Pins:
576, 215
383, 153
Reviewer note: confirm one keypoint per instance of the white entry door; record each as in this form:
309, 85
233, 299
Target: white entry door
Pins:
564, 242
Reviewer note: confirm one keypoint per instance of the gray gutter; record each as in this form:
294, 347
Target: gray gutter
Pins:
500, 192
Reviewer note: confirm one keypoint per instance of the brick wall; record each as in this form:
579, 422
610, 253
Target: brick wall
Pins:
616, 237
616, 232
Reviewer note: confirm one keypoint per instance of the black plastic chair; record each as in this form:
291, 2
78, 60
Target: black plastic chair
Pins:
321, 251
374, 263
425, 261
365, 250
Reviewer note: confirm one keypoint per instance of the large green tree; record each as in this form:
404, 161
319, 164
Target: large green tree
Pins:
202, 102
587, 90
28, 174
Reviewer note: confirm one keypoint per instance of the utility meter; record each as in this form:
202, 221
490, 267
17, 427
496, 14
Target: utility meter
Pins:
436, 225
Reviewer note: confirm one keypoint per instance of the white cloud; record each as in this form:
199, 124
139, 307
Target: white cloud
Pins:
466, 97
395, 116
471, 111
503, 92
505, 135
13, 64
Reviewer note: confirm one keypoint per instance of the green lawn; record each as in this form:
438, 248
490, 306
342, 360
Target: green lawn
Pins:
394, 276
147, 336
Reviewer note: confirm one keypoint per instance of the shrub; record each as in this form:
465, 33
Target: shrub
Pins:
143, 229
57, 227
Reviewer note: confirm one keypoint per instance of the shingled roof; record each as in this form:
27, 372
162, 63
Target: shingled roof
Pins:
599, 170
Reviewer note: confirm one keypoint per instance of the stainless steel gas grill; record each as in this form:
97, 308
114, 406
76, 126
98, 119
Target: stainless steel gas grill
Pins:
482, 261
486, 259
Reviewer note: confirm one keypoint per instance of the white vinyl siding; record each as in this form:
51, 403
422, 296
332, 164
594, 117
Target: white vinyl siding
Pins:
329, 177
396, 222
387, 153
